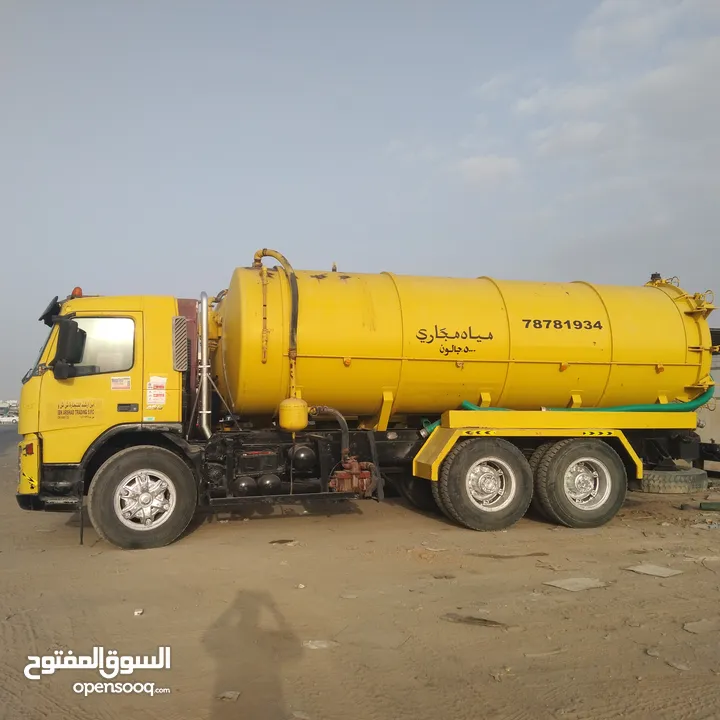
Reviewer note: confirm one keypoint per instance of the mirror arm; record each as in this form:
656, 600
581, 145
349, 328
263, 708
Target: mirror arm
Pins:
62, 318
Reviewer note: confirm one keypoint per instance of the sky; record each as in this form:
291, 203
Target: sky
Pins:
151, 147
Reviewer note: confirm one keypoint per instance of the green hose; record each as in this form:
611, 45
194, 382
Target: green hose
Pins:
655, 407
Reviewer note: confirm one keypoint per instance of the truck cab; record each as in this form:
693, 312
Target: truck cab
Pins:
105, 371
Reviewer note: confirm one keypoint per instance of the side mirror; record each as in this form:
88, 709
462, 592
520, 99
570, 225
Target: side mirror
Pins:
62, 371
70, 349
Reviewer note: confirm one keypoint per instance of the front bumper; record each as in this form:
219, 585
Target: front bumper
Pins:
58, 490
30, 502
48, 503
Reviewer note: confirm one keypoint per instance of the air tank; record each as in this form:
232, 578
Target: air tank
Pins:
422, 345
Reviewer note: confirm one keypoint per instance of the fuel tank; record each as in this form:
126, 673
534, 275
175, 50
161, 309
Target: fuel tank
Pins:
423, 345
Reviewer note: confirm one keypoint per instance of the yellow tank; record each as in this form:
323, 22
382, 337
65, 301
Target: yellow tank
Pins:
425, 344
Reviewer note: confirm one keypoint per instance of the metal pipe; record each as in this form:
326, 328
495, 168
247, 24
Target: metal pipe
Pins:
204, 411
294, 307
344, 429
265, 331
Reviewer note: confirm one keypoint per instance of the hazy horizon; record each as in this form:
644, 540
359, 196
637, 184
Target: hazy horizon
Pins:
151, 148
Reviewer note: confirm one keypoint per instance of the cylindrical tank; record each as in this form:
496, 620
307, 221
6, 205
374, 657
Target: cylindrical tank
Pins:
423, 345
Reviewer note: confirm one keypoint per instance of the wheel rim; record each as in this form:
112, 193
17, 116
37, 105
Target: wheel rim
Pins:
145, 499
587, 483
491, 484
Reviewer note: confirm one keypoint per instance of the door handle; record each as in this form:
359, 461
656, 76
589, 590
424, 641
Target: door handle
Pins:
125, 407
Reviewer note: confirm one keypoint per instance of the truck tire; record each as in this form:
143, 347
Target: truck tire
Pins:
677, 482
142, 497
486, 484
581, 483
418, 492
437, 496
537, 455
390, 487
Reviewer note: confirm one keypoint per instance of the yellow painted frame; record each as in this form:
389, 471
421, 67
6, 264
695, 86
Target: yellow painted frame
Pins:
535, 423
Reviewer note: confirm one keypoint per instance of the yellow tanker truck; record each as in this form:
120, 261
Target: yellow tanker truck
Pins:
474, 397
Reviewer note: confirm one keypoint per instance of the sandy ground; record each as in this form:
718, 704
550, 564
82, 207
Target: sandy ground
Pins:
377, 582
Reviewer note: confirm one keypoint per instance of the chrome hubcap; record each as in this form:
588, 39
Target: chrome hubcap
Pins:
491, 484
145, 499
587, 483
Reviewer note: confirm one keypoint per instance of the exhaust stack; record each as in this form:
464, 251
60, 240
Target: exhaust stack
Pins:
204, 411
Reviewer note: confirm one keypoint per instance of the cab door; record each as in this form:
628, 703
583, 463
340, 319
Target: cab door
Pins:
105, 390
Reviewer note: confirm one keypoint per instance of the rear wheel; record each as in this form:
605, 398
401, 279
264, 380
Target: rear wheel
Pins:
581, 483
535, 458
437, 496
485, 484
418, 492
142, 497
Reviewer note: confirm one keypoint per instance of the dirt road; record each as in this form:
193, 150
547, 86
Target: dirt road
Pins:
385, 589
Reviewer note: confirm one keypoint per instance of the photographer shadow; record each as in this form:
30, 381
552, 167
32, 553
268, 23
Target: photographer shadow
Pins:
249, 659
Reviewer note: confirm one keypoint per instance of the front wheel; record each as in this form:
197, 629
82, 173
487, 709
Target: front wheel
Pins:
142, 497
581, 483
485, 484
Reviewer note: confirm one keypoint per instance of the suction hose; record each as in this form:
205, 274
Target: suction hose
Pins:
344, 429
689, 406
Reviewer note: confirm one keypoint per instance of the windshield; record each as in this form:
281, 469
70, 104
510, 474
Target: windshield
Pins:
33, 370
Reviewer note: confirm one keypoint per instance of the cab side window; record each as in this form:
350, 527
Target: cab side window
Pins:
109, 345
